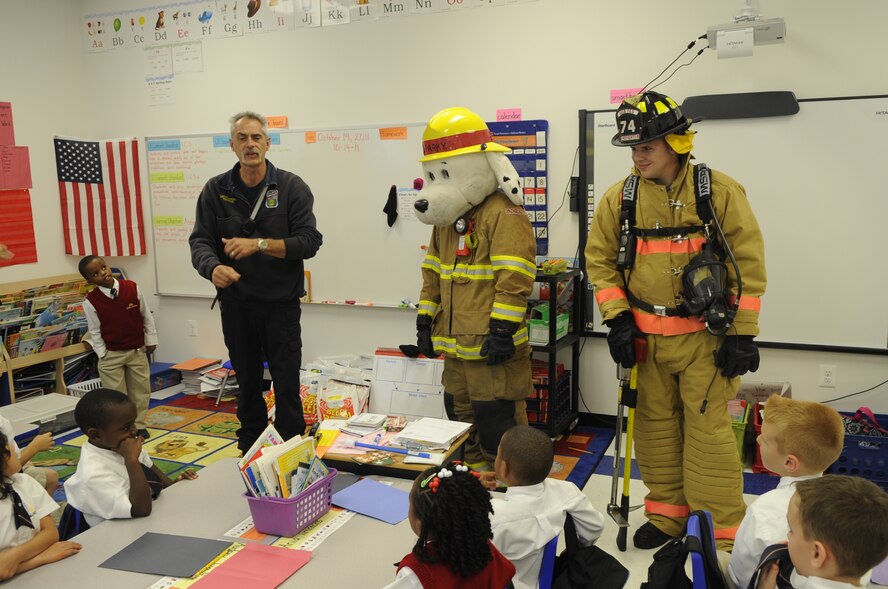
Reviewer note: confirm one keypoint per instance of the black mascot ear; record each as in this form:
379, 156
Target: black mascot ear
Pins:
506, 177
391, 206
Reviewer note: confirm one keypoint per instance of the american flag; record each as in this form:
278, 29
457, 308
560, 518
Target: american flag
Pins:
100, 192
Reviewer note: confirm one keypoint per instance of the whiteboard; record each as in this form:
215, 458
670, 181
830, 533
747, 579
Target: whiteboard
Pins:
350, 173
816, 182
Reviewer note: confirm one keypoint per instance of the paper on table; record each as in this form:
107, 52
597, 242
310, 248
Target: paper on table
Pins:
166, 554
435, 459
256, 566
374, 499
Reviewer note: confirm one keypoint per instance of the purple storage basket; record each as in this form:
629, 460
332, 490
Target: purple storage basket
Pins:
288, 517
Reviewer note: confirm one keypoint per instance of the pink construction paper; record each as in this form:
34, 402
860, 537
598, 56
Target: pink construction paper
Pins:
256, 566
15, 168
508, 114
7, 129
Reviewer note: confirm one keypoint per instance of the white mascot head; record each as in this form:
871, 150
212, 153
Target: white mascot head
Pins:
461, 167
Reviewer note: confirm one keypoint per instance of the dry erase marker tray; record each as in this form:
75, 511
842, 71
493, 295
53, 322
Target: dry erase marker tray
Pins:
288, 517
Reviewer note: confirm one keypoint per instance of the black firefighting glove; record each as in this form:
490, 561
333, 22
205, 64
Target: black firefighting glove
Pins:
737, 356
621, 338
499, 346
424, 336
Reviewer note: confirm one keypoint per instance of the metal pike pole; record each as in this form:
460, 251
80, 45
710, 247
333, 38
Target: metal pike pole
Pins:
627, 396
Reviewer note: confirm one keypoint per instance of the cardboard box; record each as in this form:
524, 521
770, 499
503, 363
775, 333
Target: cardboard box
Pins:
758, 392
538, 325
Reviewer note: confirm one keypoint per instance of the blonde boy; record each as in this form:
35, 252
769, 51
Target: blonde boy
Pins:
798, 441
837, 533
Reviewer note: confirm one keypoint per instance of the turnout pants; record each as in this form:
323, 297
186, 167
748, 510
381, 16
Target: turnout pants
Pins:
127, 371
256, 332
688, 459
490, 397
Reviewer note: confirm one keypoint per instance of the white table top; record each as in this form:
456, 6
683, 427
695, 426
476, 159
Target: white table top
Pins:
359, 554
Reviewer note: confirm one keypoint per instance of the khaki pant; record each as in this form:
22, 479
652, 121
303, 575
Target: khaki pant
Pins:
471, 381
688, 460
127, 371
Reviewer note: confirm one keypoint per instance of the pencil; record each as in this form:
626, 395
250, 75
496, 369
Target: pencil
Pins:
580, 450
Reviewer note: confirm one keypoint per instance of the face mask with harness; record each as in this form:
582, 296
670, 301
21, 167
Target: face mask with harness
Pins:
704, 279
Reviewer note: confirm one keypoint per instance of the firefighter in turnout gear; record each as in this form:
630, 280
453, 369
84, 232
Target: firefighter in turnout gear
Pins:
479, 269
653, 242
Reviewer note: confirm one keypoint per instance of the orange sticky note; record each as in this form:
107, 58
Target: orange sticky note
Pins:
392, 133
277, 122
311, 136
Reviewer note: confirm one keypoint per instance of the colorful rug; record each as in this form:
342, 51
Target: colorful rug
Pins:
187, 431
578, 454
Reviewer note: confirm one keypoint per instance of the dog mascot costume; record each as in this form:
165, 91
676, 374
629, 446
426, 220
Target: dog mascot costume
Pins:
477, 274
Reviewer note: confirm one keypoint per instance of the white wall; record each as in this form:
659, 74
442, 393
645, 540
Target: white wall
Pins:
550, 58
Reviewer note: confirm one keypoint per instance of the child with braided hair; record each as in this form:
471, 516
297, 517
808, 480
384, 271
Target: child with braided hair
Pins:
450, 514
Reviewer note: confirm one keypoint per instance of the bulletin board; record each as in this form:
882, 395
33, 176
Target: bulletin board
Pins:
350, 172
814, 182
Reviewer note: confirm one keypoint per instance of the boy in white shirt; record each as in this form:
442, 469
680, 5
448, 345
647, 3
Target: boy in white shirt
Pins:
28, 535
798, 441
534, 508
837, 533
47, 477
115, 477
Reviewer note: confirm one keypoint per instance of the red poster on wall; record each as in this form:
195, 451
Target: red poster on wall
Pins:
17, 227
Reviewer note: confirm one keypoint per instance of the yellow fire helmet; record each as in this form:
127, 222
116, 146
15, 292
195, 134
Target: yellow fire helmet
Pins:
456, 131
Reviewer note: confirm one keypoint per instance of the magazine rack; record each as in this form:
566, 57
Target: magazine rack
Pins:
10, 365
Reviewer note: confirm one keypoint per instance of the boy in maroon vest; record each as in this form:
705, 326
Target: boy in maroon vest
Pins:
122, 330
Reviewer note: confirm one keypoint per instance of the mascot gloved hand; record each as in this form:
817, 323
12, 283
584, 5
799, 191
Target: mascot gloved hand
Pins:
499, 345
424, 336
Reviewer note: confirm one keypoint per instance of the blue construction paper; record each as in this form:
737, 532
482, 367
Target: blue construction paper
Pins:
374, 499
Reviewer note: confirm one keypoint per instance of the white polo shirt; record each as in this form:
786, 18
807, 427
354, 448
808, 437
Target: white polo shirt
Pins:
526, 518
100, 487
35, 499
763, 525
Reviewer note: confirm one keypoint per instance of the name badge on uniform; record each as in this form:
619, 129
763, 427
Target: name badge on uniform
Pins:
271, 199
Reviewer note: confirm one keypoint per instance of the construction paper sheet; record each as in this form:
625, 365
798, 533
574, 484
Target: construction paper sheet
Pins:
257, 566
166, 554
15, 168
374, 499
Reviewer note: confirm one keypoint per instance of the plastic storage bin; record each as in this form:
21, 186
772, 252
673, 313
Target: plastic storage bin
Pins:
79, 389
288, 517
864, 456
548, 407
538, 325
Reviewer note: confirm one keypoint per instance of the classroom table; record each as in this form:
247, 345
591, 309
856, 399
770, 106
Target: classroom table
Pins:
359, 554
344, 462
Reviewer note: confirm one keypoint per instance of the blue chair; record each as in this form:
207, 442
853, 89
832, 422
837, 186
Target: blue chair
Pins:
698, 562
71, 523
547, 569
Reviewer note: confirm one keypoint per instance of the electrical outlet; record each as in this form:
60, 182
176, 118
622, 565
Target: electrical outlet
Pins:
828, 376
192, 327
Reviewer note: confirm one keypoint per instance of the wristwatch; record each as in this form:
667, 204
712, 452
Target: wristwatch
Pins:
263, 244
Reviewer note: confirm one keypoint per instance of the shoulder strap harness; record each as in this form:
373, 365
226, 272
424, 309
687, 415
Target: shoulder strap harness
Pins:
703, 197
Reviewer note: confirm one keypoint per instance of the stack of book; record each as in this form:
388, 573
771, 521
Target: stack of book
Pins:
431, 433
273, 467
211, 380
191, 372
363, 424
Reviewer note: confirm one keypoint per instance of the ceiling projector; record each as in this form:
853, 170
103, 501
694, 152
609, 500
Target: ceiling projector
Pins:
764, 31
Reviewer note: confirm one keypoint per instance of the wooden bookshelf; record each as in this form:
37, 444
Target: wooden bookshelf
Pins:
10, 365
